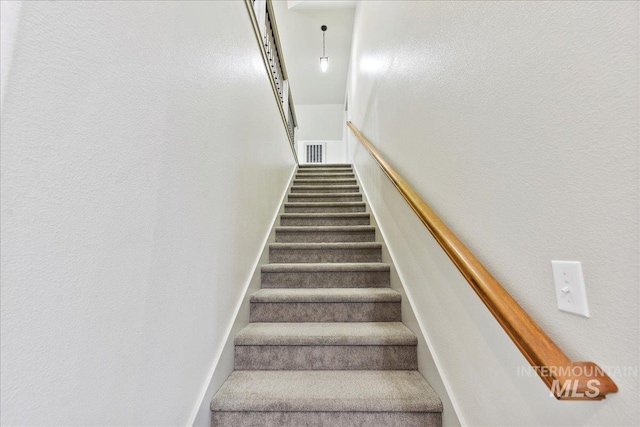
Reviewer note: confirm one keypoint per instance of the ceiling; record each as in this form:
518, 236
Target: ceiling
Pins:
321, 4
299, 23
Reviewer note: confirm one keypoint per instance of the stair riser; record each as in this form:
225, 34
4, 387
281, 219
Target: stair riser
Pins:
325, 312
325, 176
325, 236
311, 199
325, 255
334, 419
322, 167
325, 357
334, 279
324, 221
343, 169
324, 182
326, 172
325, 189
324, 209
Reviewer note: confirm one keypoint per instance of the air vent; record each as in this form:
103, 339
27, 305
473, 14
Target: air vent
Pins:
315, 153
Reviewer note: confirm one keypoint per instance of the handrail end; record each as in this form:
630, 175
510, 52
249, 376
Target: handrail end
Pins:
577, 381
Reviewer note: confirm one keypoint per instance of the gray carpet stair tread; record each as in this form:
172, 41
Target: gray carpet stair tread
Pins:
321, 228
323, 204
327, 181
326, 267
327, 215
314, 246
333, 334
315, 295
320, 196
328, 187
325, 165
324, 170
336, 391
325, 175
338, 170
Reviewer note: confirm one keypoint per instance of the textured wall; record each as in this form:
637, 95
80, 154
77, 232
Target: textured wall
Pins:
518, 123
136, 197
322, 122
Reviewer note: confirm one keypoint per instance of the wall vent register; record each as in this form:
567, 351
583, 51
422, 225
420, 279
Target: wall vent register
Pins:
314, 153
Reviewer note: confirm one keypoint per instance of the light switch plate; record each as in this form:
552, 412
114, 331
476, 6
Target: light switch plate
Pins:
570, 289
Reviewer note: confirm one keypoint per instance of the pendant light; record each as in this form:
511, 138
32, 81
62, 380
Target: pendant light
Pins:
324, 59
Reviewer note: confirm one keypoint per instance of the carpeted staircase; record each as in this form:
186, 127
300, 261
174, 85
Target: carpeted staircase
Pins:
325, 346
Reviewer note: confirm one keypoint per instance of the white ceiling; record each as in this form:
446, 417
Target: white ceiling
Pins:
321, 4
299, 25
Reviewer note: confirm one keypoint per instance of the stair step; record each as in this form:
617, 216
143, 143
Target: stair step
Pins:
325, 172
327, 175
326, 198
332, 295
336, 398
325, 207
325, 189
310, 219
325, 305
325, 182
325, 166
330, 275
325, 252
325, 346
326, 234
329, 334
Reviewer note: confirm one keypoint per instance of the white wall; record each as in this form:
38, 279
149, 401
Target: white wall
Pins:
322, 122
518, 123
135, 202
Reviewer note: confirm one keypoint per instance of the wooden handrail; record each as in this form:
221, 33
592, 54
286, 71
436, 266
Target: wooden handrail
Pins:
566, 379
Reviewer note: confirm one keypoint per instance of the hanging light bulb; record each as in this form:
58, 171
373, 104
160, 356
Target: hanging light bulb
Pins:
324, 63
324, 59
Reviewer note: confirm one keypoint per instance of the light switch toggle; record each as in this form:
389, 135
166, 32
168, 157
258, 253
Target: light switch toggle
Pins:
571, 293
